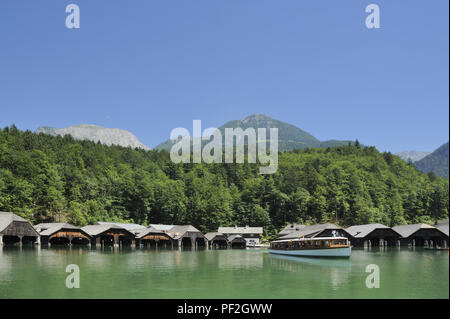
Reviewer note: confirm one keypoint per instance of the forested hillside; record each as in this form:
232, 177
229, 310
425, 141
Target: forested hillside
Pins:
47, 178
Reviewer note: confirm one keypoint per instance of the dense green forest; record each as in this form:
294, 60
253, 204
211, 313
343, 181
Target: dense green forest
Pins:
51, 178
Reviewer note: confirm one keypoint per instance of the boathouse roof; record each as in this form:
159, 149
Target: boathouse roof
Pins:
127, 226
443, 229
178, 231
442, 223
311, 231
362, 231
236, 238
407, 230
210, 236
162, 227
7, 218
290, 229
94, 230
443, 226
48, 229
140, 233
240, 230
9, 222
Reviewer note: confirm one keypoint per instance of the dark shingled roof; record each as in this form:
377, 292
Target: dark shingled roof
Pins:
361, 231
311, 231
290, 229
407, 230
237, 238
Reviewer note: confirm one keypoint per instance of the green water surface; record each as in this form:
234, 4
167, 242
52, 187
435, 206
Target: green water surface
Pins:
251, 273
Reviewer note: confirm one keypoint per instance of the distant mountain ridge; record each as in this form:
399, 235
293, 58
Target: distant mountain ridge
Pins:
290, 137
436, 162
95, 133
414, 156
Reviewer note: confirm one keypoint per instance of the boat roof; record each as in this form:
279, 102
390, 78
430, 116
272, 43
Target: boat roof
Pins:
308, 239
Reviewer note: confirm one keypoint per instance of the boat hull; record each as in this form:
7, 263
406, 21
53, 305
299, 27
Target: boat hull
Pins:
333, 252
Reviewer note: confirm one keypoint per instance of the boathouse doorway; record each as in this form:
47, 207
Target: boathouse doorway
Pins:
10, 240
125, 241
238, 244
80, 241
219, 243
200, 242
59, 241
107, 240
186, 242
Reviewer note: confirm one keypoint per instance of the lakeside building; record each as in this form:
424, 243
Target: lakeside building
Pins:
252, 235
237, 241
62, 234
183, 235
321, 230
217, 240
109, 235
152, 237
421, 235
373, 235
16, 230
187, 236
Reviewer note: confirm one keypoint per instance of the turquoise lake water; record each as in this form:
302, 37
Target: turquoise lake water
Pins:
251, 273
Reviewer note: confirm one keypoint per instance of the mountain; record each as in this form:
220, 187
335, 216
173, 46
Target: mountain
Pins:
107, 136
412, 156
436, 162
289, 136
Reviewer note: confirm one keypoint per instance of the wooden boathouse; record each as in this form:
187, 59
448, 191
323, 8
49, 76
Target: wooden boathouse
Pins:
187, 236
421, 235
152, 237
62, 234
237, 241
109, 235
251, 234
217, 240
373, 235
16, 230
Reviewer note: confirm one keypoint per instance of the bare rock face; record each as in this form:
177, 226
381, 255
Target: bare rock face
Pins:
414, 156
107, 136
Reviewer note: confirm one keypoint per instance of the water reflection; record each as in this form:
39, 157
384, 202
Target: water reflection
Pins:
110, 272
235, 259
334, 271
292, 263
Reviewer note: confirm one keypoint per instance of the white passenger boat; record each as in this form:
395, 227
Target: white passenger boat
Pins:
312, 247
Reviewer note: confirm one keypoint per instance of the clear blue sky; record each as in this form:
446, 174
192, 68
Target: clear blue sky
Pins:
149, 66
